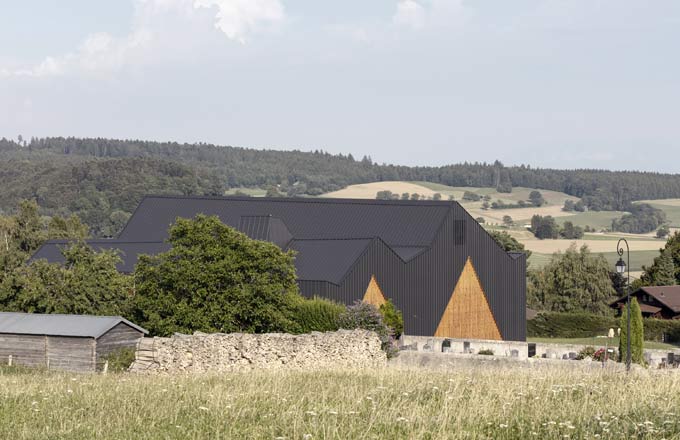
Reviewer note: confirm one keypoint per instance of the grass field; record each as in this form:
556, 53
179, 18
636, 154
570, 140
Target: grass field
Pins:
253, 192
637, 259
601, 342
464, 403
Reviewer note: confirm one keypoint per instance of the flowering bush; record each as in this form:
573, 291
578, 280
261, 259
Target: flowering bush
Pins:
367, 316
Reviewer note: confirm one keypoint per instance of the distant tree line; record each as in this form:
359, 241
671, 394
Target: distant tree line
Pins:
641, 219
545, 227
97, 177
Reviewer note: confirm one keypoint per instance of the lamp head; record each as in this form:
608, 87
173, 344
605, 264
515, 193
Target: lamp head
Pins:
620, 266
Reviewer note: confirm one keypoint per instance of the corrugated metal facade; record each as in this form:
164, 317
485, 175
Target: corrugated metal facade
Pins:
416, 250
422, 288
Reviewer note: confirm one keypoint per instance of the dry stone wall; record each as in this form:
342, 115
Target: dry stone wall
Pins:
220, 352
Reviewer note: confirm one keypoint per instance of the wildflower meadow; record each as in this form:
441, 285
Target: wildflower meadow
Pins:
465, 403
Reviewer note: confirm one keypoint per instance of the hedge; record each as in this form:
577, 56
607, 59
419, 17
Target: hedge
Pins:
586, 325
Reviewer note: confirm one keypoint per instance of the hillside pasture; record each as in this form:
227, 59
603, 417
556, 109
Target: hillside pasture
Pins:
671, 207
465, 402
637, 260
369, 190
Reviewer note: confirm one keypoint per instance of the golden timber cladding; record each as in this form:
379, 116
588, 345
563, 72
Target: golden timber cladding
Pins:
468, 314
374, 294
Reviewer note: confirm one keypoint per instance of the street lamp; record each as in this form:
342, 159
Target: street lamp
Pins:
620, 269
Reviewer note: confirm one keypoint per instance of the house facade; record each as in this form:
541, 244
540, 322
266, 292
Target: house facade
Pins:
661, 302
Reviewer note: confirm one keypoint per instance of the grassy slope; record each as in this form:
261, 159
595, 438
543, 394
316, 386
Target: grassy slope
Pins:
462, 403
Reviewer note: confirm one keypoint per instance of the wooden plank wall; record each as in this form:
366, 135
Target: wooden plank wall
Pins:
70, 353
28, 350
468, 314
374, 294
120, 336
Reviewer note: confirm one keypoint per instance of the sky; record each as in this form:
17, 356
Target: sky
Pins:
549, 83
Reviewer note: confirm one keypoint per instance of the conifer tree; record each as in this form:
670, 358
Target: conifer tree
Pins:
637, 334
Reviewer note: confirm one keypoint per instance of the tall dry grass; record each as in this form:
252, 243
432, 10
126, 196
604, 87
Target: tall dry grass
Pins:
464, 403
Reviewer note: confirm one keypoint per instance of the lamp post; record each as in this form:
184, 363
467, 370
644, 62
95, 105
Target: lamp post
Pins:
621, 267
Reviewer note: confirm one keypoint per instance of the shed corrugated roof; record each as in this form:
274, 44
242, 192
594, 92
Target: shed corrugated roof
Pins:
86, 326
130, 251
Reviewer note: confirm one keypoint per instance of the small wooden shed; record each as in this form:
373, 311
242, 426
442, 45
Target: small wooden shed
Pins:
64, 342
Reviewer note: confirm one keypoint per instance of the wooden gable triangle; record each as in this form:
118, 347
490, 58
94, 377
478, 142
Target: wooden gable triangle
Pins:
374, 294
468, 314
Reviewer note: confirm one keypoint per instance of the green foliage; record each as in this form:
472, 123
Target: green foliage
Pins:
575, 280
568, 205
367, 316
636, 334
119, 360
507, 220
570, 325
486, 352
666, 267
216, 279
544, 227
571, 232
393, 318
643, 218
88, 283
536, 198
587, 325
586, 352
508, 242
663, 231
386, 195
471, 197
317, 314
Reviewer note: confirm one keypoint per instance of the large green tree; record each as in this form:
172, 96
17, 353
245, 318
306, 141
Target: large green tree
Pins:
666, 267
216, 279
87, 283
575, 280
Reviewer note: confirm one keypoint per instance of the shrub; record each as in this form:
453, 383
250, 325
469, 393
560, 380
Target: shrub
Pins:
586, 352
367, 316
636, 334
586, 325
393, 318
486, 352
120, 360
318, 314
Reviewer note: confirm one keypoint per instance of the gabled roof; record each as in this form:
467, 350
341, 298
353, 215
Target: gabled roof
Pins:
86, 326
397, 223
327, 260
666, 295
130, 251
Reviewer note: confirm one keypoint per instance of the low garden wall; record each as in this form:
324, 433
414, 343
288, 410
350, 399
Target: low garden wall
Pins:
237, 351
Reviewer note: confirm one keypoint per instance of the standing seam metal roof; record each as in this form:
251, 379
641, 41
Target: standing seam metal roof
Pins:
86, 326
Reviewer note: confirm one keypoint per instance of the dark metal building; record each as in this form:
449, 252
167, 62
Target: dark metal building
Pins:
64, 342
431, 258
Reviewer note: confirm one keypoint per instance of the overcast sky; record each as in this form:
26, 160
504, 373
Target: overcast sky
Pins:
552, 83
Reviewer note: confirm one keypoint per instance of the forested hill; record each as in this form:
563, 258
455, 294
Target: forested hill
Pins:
102, 179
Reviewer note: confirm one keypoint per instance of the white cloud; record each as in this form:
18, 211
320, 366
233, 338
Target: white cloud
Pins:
238, 18
410, 14
159, 26
429, 13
